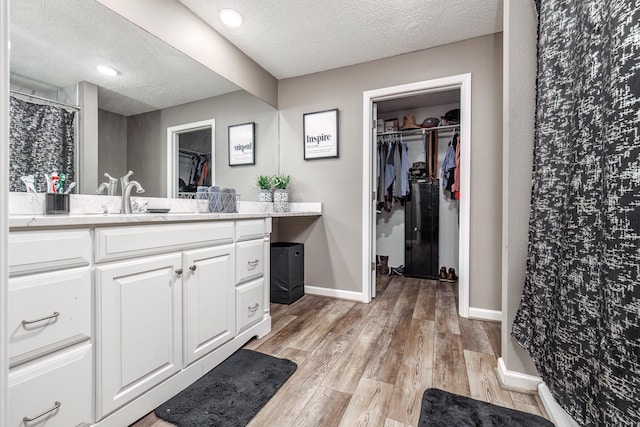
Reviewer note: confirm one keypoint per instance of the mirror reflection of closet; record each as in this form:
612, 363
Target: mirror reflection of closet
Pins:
191, 158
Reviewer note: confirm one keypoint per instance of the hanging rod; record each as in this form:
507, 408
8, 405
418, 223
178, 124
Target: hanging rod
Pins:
421, 131
192, 152
75, 107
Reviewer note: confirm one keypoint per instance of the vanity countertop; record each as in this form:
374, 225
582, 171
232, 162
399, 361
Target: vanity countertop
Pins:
23, 208
27, 221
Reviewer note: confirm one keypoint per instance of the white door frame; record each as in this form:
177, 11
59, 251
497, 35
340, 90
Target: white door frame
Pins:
462, 82
173, 132
4, 211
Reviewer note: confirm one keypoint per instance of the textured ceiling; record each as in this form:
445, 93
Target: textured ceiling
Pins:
56, 43
291, 38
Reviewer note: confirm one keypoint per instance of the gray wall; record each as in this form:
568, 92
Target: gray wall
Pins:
112, 145
87, 150
147, 141
335, 243
520, 23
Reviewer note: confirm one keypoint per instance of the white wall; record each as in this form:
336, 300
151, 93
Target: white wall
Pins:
520, 27
333, 250
4, 195
390, 230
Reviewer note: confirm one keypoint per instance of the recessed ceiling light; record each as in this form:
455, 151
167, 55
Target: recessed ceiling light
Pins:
108, 70
231, 18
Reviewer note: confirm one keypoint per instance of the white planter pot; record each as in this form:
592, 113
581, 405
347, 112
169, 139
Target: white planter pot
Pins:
265, 196
281, 200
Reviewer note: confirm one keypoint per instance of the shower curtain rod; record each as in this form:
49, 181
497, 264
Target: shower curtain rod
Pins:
75, 107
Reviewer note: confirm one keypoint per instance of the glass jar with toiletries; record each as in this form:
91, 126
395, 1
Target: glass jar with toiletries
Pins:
57, 203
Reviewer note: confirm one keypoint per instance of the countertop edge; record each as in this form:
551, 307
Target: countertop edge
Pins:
76, 220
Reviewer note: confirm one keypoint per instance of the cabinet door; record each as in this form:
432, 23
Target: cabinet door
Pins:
138, 327
209, 300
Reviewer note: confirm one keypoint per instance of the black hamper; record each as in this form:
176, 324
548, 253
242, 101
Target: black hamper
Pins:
287, 272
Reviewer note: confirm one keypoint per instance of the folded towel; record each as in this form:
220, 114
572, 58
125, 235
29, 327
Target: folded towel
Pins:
229, 200
215, 199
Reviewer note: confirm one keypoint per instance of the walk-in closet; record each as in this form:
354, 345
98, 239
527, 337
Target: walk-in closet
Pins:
194, 166
418, 172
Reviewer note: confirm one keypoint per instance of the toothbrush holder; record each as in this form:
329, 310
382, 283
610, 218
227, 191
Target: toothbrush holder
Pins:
57, 203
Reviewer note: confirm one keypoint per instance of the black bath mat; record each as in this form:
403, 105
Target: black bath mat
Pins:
231, 394
441, 408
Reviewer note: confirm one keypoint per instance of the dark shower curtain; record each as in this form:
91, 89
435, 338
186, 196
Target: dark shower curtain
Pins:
41, 140
579, 316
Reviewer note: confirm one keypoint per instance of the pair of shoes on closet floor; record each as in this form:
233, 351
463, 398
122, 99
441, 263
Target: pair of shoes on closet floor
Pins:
449, 276
399, 271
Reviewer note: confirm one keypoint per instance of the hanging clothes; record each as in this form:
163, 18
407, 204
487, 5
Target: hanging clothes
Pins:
401, 168
449, 165
404, 169
448, 168
389, 174
455, 188
381, 167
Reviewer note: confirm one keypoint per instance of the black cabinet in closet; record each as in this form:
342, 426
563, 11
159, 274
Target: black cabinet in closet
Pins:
421, 230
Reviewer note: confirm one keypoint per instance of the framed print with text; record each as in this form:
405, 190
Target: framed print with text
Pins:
242, 144
320, 131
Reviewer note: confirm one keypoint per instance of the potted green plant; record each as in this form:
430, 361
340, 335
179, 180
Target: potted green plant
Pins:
264, 184
281, 193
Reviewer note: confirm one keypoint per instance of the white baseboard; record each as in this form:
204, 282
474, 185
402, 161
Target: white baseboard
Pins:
333, 293
557, 415
484, 314
516, 380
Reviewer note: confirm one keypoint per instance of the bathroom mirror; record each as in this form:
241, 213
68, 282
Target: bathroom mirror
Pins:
56, 47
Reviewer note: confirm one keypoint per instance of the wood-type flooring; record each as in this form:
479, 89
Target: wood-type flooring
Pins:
368, 364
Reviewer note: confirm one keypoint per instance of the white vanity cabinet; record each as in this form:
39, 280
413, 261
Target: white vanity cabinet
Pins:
109, 321
49, 325
138, 328
252, 249
141, 331
209, 300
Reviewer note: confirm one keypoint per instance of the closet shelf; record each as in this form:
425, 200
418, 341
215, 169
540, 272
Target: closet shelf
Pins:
421, 131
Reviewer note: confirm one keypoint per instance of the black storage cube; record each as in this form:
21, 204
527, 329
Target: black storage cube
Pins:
287, 272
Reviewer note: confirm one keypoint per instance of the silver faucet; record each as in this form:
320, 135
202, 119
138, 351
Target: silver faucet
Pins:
127, 186
110, 187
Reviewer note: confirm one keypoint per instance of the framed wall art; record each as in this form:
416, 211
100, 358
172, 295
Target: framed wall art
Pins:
242, 144
320, 133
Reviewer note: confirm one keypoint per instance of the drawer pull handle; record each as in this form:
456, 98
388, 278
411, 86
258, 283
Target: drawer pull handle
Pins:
253, 264
29, 322
193, 267
254, 308
55, 406
178, 272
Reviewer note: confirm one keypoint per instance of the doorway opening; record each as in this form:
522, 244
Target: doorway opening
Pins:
400, 98
190, 158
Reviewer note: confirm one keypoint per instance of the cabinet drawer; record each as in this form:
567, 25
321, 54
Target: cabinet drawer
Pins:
48, 311
58, 387
126, 242
249, 260
249, 229
249, 309
37, 251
